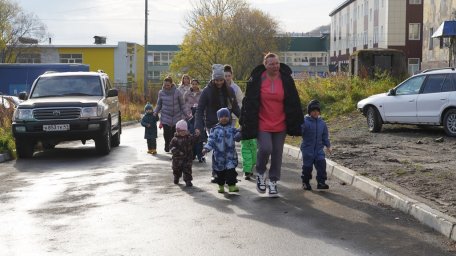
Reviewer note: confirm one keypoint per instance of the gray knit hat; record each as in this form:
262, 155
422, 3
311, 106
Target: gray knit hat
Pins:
217, 72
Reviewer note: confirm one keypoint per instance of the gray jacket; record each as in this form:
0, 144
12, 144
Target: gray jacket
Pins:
170, 104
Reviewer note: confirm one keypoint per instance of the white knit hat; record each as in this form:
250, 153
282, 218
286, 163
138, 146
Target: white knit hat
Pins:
181, 125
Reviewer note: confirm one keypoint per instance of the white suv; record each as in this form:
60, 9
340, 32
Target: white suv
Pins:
427, 98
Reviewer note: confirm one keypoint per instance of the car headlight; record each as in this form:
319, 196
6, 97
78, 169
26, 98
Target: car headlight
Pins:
23, 114
91, 111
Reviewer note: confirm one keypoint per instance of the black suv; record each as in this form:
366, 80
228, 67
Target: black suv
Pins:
66, 106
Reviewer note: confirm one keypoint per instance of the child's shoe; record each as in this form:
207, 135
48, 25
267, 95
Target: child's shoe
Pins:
306, 186
149, 151
322, 185
188, 184
153, 151
233, 188
261, 184
202, 160
176, 180
247, 175
221, 189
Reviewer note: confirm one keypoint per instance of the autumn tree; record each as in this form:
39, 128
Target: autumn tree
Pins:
19, 31
226, 32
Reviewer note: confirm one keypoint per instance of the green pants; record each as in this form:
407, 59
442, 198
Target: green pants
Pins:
249, 154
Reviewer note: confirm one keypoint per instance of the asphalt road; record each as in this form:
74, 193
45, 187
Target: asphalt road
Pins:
69, 201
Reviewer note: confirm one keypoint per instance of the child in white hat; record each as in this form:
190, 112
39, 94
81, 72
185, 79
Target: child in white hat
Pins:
181, 147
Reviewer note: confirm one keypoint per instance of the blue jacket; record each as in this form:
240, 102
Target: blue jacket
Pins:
314, 138
150, 132
221, 140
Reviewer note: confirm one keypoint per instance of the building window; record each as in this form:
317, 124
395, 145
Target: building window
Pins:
28, 58
413, 65
414, 31
431, 40
414, 1
70, 58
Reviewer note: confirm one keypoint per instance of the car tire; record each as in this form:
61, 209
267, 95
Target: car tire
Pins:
374, 120
24, 149
103, 142
449, 122
115, 140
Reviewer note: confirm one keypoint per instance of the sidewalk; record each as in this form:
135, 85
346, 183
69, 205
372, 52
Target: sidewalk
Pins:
439, 221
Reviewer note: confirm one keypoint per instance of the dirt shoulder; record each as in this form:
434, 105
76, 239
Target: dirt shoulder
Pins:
410, 159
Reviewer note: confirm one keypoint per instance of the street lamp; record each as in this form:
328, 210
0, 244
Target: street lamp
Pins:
145, 52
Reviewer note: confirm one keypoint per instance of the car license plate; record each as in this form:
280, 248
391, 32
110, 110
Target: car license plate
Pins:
56, 127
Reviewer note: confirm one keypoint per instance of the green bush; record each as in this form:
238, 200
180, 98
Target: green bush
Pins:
339, 95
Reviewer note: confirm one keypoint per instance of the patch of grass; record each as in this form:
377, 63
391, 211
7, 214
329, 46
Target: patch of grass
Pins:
400, 172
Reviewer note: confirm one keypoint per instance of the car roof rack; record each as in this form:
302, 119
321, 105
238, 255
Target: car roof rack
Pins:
434, 69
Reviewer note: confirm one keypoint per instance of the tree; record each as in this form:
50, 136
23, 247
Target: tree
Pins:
19, 31
225, 31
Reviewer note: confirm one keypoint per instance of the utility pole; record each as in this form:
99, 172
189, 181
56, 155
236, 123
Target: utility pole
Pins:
145, 54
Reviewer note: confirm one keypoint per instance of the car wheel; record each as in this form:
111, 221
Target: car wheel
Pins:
24, 149
449, 122
103, 143
374, 120
115, 141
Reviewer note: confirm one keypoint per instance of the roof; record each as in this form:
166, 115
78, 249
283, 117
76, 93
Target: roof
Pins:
164, 47
340, 7
378, 51
304, 44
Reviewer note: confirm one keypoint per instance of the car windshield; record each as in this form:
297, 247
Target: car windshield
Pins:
56, 86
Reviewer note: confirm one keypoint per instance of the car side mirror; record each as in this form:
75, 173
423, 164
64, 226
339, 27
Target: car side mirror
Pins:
113, 93
22, 95
392, 92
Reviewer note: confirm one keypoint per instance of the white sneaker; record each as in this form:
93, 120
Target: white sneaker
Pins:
273, 189
261, 184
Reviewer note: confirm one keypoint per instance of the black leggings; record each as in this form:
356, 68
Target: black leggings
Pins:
168, 133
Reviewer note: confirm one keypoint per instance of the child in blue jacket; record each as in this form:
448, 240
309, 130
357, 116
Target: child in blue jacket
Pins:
149, 121
224, 157
314, 138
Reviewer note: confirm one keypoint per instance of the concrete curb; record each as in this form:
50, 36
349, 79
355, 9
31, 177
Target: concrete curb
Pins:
4, 157
437, 220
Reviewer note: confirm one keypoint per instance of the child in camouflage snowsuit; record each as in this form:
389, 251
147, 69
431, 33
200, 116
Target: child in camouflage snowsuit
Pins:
224, 157
181, 147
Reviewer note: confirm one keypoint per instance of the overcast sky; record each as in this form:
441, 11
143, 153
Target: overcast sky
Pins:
77, 21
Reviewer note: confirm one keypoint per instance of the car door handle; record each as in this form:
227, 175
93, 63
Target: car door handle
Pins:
411, 100
443, 99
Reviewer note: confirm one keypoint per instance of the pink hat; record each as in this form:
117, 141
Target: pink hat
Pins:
181, 125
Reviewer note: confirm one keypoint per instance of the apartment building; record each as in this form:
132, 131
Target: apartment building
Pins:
366, 24
307, 55
436, 50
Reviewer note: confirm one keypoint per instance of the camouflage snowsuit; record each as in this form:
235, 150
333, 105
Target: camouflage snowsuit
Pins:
182, 149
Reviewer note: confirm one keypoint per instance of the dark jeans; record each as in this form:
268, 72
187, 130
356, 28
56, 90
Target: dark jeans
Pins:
320, 165
227, 176
151, 144
168, 134
197, 150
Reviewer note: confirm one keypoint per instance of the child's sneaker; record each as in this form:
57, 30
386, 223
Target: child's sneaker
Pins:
322, 185
221, 189
149, 151
261, 185
273, 189
153, 151
188, 184
247, 175
202, 160
306, 186
233, 188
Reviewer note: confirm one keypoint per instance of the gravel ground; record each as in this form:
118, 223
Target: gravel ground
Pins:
416, 160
